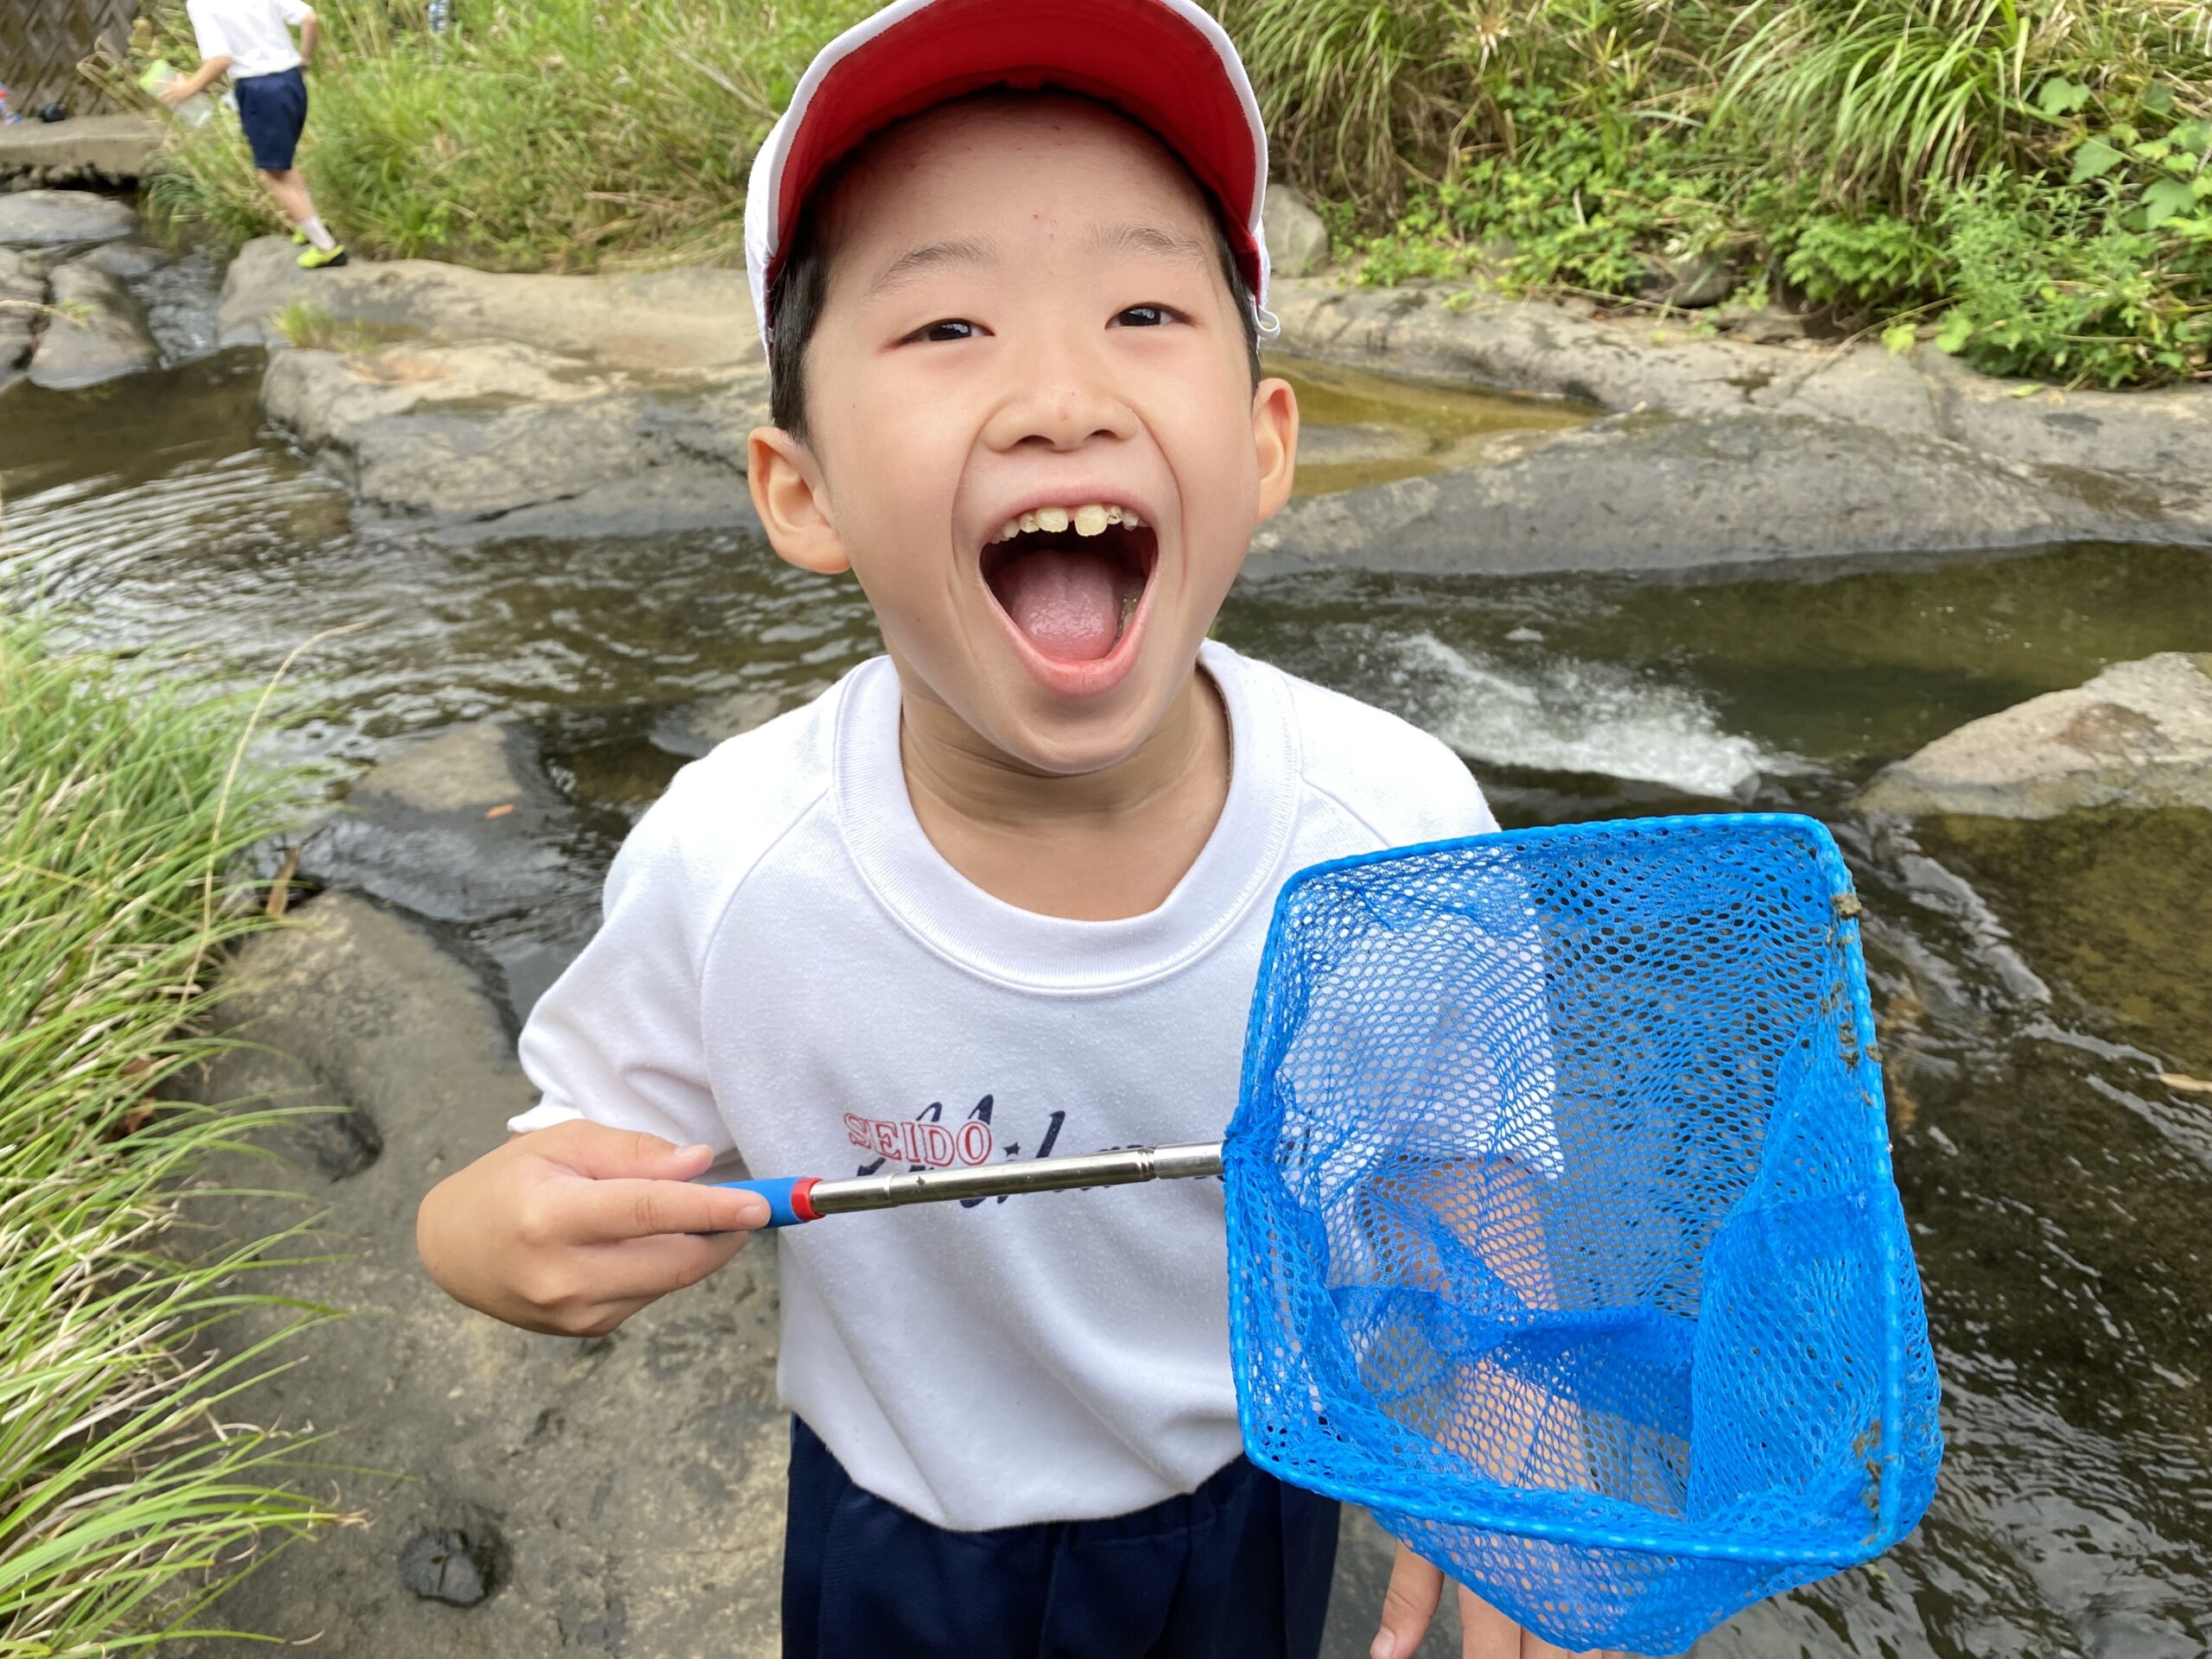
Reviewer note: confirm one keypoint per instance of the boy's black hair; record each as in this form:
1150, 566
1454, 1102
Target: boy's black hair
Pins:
801, 287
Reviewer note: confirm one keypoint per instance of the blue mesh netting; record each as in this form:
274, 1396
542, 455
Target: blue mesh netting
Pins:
1562, 1229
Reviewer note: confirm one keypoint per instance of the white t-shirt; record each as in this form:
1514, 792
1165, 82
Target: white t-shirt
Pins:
789, 969
256, 36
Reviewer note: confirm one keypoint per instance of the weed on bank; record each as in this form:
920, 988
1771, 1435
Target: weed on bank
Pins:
132, 1478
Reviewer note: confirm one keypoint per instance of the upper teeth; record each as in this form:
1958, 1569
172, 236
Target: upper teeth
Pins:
1089, 520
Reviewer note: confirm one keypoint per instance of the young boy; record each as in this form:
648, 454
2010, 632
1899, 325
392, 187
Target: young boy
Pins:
250, 40
999, 893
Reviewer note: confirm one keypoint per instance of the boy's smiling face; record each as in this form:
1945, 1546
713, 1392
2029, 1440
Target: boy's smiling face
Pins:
1025, 315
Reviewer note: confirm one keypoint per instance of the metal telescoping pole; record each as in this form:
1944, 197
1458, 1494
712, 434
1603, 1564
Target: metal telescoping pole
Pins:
993, 1180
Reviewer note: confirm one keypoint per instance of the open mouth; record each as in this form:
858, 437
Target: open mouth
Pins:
1070, 579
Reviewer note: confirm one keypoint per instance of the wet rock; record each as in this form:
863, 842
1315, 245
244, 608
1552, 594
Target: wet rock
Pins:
96, 331
487, 430
1688, 282
603, 1536
469, 768
1333, 446
1650, 493
692, 323
459, 828
451, 1564
1298, 242
22, 289
128, 260
1767, 325
1528, 345
2139, 735
30, 218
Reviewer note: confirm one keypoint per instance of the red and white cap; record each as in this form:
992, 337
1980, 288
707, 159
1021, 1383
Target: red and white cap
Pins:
1164, 63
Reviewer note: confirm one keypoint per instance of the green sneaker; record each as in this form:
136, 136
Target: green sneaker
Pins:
316, 259
299, 238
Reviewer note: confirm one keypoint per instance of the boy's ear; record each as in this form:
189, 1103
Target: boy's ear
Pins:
793, 502
1274, 439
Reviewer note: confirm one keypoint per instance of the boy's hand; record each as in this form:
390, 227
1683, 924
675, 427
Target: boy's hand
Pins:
1415, 1588
571, 1230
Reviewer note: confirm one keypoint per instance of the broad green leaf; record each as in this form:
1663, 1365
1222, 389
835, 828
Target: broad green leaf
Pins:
2159, 99
2166, 199
1897, 339
2094, 160
2059, 96
1952, 337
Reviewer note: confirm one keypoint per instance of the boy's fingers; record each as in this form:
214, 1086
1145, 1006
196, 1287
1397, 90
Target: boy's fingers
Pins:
605, 1153
605, 1211
1486, 1633
640, 1270
1407, 1605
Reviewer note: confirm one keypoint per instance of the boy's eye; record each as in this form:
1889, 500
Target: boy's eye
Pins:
1144, 317
947, 329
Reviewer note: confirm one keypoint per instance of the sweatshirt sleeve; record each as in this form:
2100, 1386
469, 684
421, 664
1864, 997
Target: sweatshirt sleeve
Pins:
617, 1039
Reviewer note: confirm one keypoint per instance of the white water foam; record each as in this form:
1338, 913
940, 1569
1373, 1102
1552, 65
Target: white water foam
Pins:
1561, 713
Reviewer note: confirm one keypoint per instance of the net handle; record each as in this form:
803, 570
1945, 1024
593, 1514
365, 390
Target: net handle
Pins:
794, 1199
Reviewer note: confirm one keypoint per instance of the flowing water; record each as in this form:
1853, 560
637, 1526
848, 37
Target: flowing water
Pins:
2034, 980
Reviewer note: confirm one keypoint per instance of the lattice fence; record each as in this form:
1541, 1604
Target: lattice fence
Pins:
42, 41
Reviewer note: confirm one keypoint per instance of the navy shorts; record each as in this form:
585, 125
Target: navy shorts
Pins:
273, 109
1238, 1569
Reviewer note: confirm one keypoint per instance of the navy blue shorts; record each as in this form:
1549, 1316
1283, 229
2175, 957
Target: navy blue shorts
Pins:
273, 109
1238, 1569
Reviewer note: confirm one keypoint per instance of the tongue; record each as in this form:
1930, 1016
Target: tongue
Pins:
1069, 604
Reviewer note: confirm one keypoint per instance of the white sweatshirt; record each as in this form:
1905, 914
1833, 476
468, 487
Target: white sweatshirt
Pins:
789, 969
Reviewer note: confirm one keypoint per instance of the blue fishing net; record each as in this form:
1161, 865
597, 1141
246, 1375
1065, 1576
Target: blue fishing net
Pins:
1562, 1229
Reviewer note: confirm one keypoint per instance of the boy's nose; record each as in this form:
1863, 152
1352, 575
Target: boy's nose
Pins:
1063, 400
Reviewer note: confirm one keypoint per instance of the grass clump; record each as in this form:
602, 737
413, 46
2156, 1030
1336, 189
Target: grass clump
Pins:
2034, 184
129, 1488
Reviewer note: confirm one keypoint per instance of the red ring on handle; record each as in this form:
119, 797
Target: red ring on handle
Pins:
803, 1199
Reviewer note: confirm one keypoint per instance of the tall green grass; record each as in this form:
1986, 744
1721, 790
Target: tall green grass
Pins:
130, 1487
2034, 181
532, 134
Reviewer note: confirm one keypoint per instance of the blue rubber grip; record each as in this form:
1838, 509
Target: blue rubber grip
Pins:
779, 1194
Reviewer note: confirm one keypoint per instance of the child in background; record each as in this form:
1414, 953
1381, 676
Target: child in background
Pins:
250, 40
999, 893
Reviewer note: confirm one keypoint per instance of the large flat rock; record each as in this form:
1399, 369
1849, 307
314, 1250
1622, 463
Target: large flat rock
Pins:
1466, 335
113, 149
488, 431
623, 1496
35, 218
96, 331
687, 322
1649, 492
2139, 734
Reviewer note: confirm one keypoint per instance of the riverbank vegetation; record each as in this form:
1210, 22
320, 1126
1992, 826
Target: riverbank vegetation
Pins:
129, 1485
2029, 186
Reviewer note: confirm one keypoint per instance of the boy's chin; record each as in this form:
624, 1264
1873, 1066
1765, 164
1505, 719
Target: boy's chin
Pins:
1064, 735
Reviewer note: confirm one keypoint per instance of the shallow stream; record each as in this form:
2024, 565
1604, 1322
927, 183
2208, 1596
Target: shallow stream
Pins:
2033, 980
